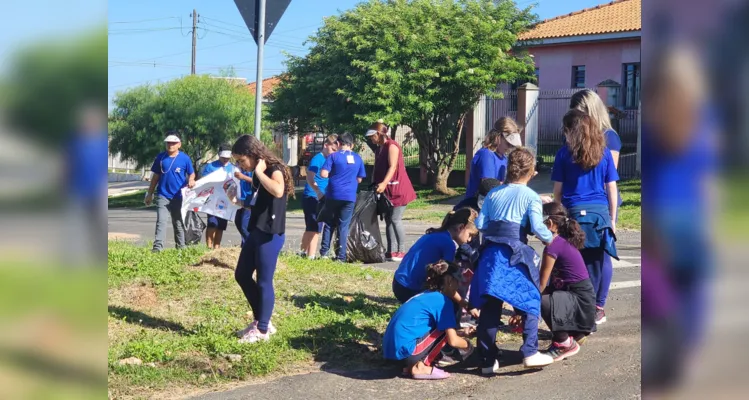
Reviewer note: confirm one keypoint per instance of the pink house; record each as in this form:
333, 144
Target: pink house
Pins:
590, 46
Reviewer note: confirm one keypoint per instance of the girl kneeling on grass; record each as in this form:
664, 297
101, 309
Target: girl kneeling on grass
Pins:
426, 323
507, 268
438, 244
568, 305
272, 184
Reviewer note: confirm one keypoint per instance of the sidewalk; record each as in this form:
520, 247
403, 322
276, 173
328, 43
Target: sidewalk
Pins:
123, 188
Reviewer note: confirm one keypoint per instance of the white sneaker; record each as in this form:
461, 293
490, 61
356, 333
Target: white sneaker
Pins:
538, 360
254, 336
271, 329
491, 370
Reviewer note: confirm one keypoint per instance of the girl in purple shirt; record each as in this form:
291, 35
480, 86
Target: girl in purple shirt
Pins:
568, 303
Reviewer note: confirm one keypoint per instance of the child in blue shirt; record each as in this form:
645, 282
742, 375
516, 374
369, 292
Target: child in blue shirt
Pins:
508, 268
438, 244
421, 327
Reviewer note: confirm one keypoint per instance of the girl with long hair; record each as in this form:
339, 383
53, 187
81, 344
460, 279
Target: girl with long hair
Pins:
272, 185
585, 178
591, 104
568, 301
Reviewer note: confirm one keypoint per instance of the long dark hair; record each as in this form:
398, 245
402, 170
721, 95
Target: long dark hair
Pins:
464, 216
569, 229
437, 272
584, 139
251, 147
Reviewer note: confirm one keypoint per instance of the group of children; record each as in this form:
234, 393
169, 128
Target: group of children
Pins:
429, 280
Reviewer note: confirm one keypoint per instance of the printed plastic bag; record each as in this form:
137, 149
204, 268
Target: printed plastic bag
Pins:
194, 227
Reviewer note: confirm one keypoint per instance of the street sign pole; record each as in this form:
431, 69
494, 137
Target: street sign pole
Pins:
259, 80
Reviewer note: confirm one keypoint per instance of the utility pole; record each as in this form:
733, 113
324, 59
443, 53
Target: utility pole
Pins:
194, 38
259, 80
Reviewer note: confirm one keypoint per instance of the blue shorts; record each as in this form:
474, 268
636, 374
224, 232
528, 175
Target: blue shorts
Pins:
216, 222
309, 206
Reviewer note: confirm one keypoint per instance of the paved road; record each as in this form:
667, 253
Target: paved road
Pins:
607, 367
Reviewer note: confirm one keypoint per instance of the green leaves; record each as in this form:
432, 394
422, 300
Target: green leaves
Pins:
421, 63
205, 111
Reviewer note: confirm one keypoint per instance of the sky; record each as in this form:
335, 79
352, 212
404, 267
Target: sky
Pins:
150, 41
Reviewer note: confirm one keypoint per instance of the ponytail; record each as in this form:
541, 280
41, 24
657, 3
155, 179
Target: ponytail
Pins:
569, 229
464, 216
436, 273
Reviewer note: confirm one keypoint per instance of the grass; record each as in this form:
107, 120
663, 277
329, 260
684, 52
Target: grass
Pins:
630, 213
179, 311
132, 200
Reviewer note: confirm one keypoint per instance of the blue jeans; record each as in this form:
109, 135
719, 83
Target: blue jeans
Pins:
242, 221
342, 212
489, 322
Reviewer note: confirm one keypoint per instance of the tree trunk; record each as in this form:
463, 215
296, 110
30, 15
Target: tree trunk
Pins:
446, 161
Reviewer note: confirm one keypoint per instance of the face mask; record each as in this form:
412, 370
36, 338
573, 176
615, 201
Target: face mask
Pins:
480, 201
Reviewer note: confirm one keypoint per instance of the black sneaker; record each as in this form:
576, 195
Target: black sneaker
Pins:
559, 352
600, 316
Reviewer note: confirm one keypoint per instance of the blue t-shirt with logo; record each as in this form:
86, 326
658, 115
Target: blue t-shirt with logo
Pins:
314, 166
580, 187
417, 317
215, 166
174, 173
430, 248
486, 164
344, 167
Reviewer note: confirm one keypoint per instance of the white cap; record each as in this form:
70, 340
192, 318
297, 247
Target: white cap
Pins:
513, 139
370, 132
172, 139
225, 154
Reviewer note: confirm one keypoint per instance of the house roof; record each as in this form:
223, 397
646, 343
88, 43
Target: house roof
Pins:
268, 85
617, 16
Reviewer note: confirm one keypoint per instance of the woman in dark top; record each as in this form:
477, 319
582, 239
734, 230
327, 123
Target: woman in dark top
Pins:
272, 184
391, 178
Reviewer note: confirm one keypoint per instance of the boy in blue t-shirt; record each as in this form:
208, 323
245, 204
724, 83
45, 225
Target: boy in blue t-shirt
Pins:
314, 191
216, 226
172, 170
345, 171
422, 326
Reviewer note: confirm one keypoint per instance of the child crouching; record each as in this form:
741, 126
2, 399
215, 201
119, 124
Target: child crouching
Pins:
568, 305
422, 326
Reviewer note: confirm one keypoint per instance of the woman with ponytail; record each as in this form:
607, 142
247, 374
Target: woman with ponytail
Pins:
272, 184
568, 305
390, 177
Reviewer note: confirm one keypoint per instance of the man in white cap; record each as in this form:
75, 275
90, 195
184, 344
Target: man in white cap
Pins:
172, 170
216, 226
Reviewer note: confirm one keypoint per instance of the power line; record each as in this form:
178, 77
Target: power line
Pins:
142, 21
141, 30
224, 22
288, 47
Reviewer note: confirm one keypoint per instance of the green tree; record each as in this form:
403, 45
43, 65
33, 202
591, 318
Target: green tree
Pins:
421, 63
205, 111
49, 80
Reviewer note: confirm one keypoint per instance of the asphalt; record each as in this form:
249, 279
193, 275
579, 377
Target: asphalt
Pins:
607, 367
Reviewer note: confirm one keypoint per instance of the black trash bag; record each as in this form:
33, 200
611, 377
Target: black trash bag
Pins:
384, 205
194, 227
364, 242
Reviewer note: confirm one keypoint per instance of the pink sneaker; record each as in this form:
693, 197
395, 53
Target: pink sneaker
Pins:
397, 257
254, 336
436, 374
271, 329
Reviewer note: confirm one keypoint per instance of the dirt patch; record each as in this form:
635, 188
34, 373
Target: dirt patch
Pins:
222, 258
139, 296
123, 236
